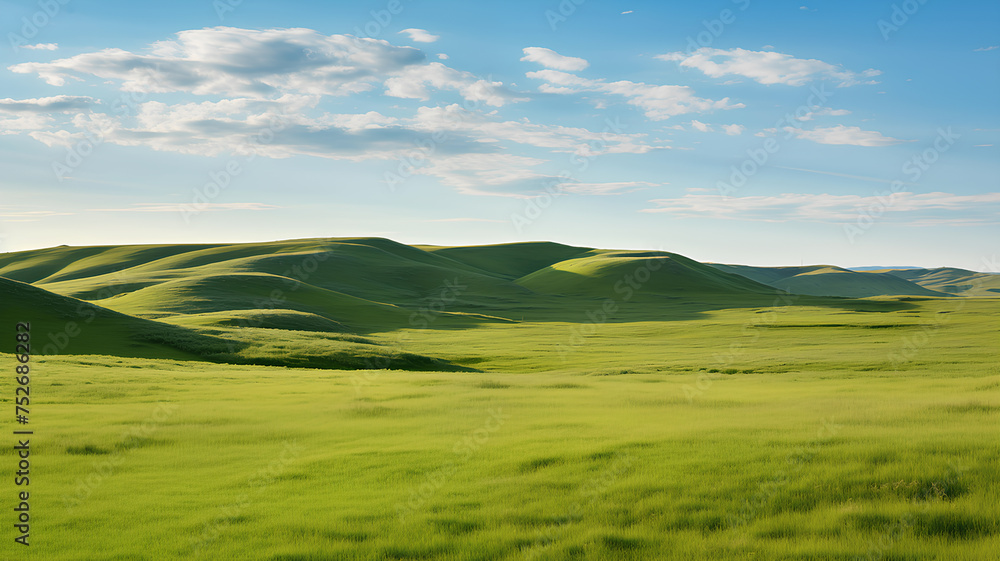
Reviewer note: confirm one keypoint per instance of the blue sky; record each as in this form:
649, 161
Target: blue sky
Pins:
741, 131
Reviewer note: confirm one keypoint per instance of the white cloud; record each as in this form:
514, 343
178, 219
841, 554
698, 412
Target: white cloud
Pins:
551, 59
42, 46
413, 81
247, 63
823, 112
442, 56
173, 207
269, 128
497, 174
734, 129
824, 207
35, 115
767, 67
22, 123
48, 104
985, 49
454, 118
699, 126
240, 62
657, 102
844, 135
615, 188
420, 35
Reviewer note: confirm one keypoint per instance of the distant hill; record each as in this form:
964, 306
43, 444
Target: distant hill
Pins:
348, 302
878, 268
823, 280
606, 273
959, 282
513, 260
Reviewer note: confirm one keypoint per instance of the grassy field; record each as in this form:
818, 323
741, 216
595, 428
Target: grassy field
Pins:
693, 417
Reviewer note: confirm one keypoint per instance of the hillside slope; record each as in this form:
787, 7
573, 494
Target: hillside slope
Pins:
62, 325
822, 280
512, 260
960, 282
602, 273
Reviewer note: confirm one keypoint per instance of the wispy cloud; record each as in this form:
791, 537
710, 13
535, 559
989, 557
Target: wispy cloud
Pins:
174, 207
984, 49
908, 207
658, 102
841, 134
551, 59
30, 215
420, 35
849, 176
48, 104
767, 67
614, 188
490, 220
42, 46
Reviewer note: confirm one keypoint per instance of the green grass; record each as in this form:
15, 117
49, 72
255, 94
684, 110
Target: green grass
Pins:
534, 412
185, 462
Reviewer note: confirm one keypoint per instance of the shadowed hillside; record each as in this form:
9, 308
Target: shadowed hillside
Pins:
353, 302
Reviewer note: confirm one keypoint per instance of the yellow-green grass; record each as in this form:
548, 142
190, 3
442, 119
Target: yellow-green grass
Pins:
138, 459
696, 415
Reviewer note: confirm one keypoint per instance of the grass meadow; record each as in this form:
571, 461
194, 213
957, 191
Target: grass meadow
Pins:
795, 431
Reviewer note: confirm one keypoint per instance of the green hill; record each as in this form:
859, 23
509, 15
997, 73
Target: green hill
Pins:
601, 273
62, 325
960, 282
823, 280
510, 261
351, 302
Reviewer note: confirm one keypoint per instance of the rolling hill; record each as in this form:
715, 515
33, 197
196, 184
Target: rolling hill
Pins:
960, 282
348, 302
824, 280
600, 273
63, 325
